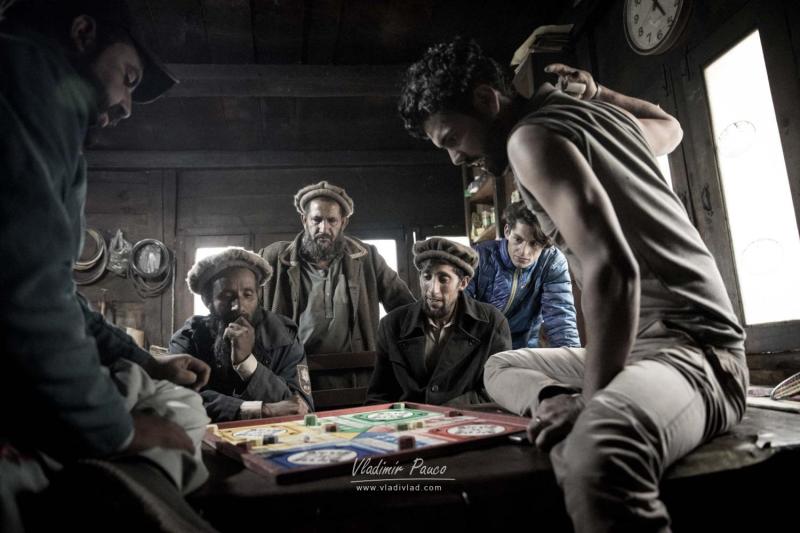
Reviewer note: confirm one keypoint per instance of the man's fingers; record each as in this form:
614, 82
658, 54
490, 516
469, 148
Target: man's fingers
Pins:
534, 428
242, 321
202, 373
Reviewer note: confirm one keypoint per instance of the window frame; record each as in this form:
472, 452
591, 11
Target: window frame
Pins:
699, 145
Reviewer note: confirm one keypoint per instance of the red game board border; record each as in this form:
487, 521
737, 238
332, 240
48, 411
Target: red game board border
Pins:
255, 463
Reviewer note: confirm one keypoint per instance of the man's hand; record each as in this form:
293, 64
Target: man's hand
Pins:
181, 369
568, 75
293, 406
554, 420
150, 431
242, 336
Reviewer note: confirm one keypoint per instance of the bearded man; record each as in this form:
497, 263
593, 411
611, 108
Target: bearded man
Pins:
331, 284
258, 366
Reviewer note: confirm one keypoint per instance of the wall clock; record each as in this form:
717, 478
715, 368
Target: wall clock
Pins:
654, 26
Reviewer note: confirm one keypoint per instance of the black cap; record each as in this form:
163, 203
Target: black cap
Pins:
156, 78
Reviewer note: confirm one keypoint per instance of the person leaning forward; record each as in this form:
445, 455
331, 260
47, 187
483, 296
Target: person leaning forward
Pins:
434, 350
331, 284
258, 366
664, 365
105, 410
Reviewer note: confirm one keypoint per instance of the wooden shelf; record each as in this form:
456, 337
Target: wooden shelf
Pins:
489, 234
485, 194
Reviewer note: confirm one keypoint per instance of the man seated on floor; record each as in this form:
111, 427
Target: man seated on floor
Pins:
329, 283
664, 365
433, 351
527, 278
258, 366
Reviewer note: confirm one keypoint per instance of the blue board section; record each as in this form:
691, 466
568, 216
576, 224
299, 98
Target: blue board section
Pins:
327, 453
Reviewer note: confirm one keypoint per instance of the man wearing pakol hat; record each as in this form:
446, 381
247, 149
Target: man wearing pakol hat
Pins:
433, 351
67, 67
258, 366
331, 284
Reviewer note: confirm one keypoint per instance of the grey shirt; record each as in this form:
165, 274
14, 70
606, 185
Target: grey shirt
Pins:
324, 325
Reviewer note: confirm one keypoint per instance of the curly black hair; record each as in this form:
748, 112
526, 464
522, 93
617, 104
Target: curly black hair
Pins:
518, 212
443, 81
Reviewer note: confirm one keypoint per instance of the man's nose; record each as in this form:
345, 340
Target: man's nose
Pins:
235, 305
455, 156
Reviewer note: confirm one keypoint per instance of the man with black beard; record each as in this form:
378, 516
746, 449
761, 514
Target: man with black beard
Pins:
110, 423
258, 364
331, 284
433, 351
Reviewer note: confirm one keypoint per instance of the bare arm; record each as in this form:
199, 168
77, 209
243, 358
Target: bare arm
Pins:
556, 173
662, 131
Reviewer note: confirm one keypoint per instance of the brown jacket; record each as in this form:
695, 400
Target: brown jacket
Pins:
369, 281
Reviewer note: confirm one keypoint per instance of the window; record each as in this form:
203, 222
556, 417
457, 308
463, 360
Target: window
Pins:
387, 248
201, 253
755, 185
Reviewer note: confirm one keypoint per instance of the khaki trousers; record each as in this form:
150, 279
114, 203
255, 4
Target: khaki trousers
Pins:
662, 405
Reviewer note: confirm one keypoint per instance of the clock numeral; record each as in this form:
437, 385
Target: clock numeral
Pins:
638, 2
649, 36
659, 35
669, 22
641, 31
636, 19
677, 3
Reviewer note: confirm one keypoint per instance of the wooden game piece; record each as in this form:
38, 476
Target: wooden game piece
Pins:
331, 427
419, 424
306, 438
406, 442
310, 420
269, 439
402, 426
454, 413
398, 405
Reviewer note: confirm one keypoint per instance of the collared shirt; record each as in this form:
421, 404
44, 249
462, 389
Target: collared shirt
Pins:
436, 338
324, 325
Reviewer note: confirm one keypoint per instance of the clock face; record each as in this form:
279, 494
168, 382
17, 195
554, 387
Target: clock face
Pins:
651, 25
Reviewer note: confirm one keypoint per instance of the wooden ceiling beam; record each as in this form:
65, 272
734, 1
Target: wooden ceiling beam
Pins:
286, 81
139, 160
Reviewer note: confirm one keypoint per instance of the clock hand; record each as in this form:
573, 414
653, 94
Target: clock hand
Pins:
657, 5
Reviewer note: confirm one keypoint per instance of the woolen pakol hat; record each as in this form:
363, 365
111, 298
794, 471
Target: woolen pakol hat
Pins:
442, 249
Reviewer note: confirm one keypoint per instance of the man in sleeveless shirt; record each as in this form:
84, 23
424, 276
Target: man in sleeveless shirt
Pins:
663, 369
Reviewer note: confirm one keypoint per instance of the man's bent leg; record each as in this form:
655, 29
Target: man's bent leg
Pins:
175, 403
514, 378
648, 417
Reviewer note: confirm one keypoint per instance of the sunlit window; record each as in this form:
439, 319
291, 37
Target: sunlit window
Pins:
766, 246
201, 253
388, 250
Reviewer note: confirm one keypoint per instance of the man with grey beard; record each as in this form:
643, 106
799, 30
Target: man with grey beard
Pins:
258, 366
331, 284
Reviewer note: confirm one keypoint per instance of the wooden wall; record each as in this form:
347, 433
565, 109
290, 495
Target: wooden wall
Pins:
187, 208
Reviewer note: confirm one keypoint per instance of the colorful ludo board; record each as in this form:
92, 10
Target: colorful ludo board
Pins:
296, 448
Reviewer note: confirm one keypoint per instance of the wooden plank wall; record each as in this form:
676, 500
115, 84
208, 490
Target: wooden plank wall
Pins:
253, 207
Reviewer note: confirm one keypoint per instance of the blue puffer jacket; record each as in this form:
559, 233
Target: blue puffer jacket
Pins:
542, 294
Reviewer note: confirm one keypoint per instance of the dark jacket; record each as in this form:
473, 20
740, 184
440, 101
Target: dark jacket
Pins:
540, 295
369, 281
400, 374
281, 372
50, 362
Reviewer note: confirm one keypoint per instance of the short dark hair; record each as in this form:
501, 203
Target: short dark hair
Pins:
519, 212
443, 80
428, 264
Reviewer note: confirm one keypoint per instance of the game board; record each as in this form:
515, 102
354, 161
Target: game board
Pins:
290, 450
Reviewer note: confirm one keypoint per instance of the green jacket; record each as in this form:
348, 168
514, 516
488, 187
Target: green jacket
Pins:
369, 281
51, 367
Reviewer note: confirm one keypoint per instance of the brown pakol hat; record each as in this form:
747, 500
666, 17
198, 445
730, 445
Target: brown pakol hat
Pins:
442, 249
325, 190
209, 268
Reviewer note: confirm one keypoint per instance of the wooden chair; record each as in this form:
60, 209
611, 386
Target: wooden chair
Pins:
340, 380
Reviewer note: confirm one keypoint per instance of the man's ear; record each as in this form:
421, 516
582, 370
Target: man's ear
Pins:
463, 283
486, 100
83, 33
507, 231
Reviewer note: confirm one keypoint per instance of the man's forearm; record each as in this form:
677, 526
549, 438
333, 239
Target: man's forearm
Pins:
611, 304
635, 106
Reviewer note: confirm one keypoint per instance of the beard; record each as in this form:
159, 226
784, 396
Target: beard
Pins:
496, 158
100, 100
217, 324
315, 249
437, 313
